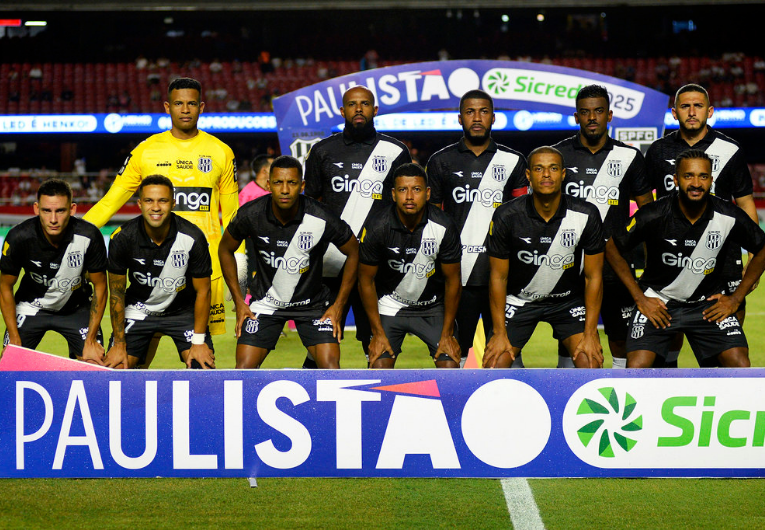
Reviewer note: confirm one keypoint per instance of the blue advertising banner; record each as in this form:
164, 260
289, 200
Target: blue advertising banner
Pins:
307, 115
395, 423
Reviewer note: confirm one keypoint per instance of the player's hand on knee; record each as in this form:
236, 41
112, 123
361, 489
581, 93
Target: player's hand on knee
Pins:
334, 315
448, 345
117, 356
377, 346
724, 307
243, 312
497, 346
93, 353
202, 354
655, 310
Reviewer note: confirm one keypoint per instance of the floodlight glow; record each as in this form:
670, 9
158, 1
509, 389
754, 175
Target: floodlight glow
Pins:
505, 18
540, 17
38, 23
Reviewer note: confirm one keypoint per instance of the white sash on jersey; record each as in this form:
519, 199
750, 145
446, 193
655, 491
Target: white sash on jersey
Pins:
624, 155
357, 207
720, 151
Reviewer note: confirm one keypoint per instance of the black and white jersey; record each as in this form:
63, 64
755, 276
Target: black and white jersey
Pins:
682, 258
160, 275
469, 188
354, 179
729, 170
606, 179
409, 279
54, 278
546, 257
288, 267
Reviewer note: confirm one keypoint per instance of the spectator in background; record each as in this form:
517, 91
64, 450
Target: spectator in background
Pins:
216, 66
258, 185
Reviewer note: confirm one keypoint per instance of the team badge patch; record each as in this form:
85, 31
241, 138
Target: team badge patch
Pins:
305, 241
568, 238
714, 240
637, 331
300, 148
715, 163
74, 259
380, 164
251, 326
179, 259
429, 247
614, 168
499, 173
204, 164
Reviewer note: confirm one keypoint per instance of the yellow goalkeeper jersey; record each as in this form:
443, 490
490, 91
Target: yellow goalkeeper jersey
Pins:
203, 171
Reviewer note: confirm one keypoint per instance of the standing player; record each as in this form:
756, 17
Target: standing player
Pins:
202, 170
683, 288
169, 266
56, 251
409, 274
545, 239
290, 233
258, 185
606, 173
731, 178
469, 180
351, 172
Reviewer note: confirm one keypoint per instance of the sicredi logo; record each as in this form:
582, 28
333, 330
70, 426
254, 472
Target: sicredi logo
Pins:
666, 423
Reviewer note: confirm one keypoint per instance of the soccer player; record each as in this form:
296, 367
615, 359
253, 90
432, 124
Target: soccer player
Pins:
169, 266
545, 239
290, 233
409, 274
606, 173
469, 180
352, 173
202, 170
682, 287
258, 186
731, 178
56, 251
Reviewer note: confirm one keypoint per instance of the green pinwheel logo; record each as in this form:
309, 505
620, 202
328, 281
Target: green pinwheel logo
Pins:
616, 423
498, 83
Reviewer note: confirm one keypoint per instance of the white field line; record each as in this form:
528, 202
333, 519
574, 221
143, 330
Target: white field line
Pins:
523, 510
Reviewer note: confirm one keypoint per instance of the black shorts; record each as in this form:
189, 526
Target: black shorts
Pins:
616, 310
72, 326
363, 329
566, 319
707, 339
730, 287
179, 327
426, 328
264, 331
474, 304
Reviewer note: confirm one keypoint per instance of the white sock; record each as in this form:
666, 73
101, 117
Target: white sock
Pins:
619, 362
518, 362
463, 360
565, 362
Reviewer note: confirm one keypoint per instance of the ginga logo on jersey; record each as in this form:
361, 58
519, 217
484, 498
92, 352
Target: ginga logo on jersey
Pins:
668, 423
485, 196
600, 194
291, 264
191, 199
168, 284
554, 261
366, 188
57, 284
420, 270
697, 265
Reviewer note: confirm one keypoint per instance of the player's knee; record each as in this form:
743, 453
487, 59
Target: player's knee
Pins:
735, 358
640, 359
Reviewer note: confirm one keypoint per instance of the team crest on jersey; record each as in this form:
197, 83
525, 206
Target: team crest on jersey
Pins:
251, 326
204, 164
300, 148
714, 240
179, 259
637, 331
305, 241
715, 163
614, 168
380, 164
74, 259
499, 173
429, 247
568, 238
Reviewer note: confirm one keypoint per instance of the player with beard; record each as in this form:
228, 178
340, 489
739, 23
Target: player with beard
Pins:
351, 172
682, 287
731, 178
606, 173
470, 179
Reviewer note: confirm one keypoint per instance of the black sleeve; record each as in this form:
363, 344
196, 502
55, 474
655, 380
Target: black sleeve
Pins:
634, 232
313, 180
746, 233
337, 231
517, 179
12, 258
451, 246
653, 170
500, 234
200, 263
117, 253
239, 226
593, 240
95, 256
741, 179
369, 246
434, 171
638, 178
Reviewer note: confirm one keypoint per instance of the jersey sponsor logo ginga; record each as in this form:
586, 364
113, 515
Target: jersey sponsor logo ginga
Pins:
169, 285
420, 270
554, 261
485, 197
293, 265
695, 265
366, 188
601, 194
57, 284
192, 199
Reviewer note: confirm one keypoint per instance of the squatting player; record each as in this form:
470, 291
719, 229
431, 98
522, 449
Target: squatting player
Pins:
352, 173
470, 179
682, 287
731, 179
290, 233
546, 239
169, 266
55, 250
606, 173
409, 274
202, 169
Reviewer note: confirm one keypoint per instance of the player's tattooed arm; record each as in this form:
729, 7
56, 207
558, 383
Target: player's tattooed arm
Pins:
117, 355
8, 307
